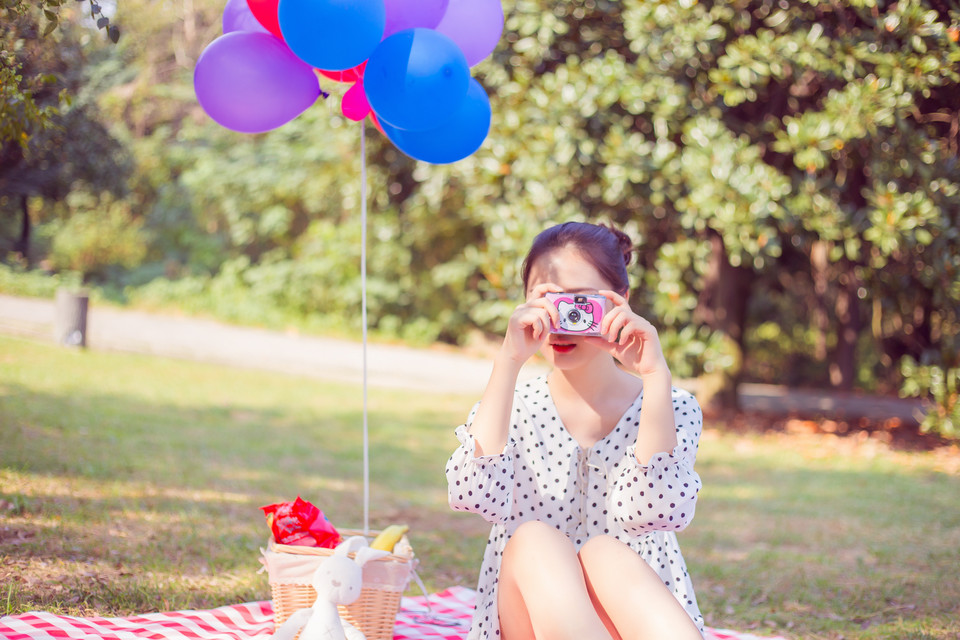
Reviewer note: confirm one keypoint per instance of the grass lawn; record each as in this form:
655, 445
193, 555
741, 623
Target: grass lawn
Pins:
132, 484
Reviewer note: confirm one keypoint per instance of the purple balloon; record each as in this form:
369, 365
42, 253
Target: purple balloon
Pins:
237, 17
251, 82
409, 14
475, 25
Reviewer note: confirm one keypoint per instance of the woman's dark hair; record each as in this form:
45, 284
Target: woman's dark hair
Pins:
608, 249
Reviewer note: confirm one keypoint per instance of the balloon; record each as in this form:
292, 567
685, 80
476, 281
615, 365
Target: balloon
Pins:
475, 25
265, 11
354, 104
237, 17
416, 79
455, 139
376, 123
407, 14
347, 75
332, 34
251, 82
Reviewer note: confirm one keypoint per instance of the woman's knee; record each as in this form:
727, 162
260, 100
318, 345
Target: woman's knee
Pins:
537, 530
537, 537
539, 554
630, 594
607, 561
542, 587
604, 549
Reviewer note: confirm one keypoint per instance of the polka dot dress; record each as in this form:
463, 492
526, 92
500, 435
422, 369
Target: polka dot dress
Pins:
544, 474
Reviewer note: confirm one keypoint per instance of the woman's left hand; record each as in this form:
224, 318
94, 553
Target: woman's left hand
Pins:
630, 339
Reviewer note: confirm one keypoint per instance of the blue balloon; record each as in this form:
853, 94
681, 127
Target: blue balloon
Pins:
332, 34
416, 79
455, 139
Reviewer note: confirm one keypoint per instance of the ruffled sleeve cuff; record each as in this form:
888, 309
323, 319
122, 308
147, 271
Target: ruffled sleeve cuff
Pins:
469, 444
660, 495
480, 484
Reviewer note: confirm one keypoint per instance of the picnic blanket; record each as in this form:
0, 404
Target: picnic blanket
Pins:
440, 616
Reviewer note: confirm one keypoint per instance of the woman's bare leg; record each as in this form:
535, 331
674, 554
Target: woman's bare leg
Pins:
541, 590
629, 595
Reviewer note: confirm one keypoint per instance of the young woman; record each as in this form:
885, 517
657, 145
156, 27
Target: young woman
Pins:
585, 473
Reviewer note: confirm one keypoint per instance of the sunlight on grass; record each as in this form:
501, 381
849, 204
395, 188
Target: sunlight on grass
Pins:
132, 484
33, 485
838, 531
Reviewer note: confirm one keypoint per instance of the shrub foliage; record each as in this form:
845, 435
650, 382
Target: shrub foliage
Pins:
788, 170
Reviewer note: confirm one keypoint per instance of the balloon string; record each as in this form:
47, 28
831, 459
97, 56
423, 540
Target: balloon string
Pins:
363, 313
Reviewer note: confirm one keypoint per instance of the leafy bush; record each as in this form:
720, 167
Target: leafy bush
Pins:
696, 351
100, 232
38, 284
788, 170
940, 387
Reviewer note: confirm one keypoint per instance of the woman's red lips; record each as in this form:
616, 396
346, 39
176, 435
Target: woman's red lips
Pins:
562, 348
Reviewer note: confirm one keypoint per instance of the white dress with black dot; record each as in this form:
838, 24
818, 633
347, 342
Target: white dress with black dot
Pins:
544, 474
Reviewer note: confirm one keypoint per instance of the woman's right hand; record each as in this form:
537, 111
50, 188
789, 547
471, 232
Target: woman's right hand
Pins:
527, 330
529, 326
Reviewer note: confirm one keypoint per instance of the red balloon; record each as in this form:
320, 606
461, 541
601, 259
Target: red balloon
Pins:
265, 11
376, 122
347, 75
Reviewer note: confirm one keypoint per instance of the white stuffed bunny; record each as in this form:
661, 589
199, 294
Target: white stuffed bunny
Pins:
338, 580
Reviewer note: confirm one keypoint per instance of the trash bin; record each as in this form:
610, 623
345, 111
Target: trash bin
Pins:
70, 321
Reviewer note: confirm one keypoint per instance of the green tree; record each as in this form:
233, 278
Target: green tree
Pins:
70, 147
788, 169
809, 149
20, 115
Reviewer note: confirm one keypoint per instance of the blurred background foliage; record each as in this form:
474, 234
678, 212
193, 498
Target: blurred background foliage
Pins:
789, 171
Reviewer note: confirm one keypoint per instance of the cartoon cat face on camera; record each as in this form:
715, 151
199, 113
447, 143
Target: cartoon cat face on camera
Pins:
580, 314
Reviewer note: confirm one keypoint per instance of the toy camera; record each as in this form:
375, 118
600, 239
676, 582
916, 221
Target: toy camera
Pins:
580, 313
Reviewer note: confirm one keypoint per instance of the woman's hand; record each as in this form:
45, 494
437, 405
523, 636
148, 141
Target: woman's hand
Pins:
527, 330
529, 325
630, 339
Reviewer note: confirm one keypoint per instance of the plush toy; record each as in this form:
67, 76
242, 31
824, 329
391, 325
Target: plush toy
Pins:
338, 580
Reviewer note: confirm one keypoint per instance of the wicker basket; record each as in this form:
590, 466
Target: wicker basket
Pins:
290, 567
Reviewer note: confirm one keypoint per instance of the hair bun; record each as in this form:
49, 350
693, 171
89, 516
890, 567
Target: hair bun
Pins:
624, 242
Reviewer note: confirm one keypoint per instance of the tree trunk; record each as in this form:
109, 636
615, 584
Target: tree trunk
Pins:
843, 369
722, 306
819, 264
23, 242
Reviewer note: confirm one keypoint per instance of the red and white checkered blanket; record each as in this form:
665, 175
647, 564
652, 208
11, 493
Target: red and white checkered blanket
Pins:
442, 616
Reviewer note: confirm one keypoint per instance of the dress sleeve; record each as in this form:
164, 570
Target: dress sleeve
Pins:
480, 484
662, 494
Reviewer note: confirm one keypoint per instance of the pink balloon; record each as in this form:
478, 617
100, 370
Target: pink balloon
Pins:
409, 14
475, 25
251, 82
354, 104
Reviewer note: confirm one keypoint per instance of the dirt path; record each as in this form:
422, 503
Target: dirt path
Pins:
389, 366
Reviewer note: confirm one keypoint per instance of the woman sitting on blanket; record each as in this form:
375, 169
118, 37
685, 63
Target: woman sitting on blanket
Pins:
584, 489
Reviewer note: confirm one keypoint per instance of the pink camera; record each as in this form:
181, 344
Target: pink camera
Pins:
580, 313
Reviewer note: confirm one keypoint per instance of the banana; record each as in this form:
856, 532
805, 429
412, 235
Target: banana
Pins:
390, 536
